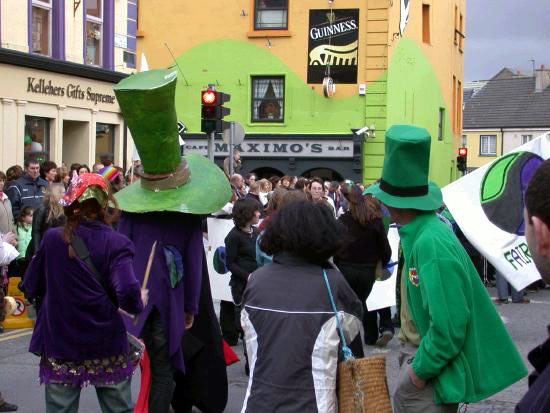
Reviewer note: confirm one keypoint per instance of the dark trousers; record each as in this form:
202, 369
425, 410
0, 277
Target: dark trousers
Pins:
375, 326
162, 372
228, 323
360, 278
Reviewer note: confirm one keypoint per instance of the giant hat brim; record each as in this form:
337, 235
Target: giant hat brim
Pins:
206, 191
429, 202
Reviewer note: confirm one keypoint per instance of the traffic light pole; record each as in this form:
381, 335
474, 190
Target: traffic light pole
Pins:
231, 149
211, 146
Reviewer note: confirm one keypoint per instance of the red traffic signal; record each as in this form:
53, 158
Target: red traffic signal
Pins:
462, 151
212, 111
213, 98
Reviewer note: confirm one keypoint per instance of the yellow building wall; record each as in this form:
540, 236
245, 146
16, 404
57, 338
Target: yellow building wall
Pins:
473, 143
14, 25
183, 25
443, 54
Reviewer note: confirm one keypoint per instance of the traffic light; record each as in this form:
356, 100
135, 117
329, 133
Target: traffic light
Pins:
462, 159
212, 111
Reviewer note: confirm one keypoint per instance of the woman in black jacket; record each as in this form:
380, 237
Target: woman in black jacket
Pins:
240, 254
240, 246
366, 245
287, 316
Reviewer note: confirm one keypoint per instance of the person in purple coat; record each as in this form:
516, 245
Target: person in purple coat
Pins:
163, 209
79, 333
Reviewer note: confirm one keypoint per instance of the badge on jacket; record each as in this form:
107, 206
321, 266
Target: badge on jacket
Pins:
413, 277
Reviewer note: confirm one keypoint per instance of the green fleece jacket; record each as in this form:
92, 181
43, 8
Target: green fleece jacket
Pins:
465, 348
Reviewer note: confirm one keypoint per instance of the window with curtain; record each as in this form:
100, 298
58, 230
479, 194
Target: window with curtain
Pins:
41, 38
271, 14
94, 32
488, 145
268, 99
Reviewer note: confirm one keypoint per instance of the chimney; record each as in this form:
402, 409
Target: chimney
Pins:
542, 79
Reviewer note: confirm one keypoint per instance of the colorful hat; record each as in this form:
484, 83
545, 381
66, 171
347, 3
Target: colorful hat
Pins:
404, 182
109, 172
169, 182
84, 187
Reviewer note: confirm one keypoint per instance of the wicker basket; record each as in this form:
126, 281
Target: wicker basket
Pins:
362, 386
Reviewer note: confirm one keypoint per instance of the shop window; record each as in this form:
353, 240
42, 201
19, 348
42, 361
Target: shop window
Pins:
271, 14
94, 32
41, 37
488, 145
526, 138
268, 99
441, 124
37, 138
105, 143
426, 23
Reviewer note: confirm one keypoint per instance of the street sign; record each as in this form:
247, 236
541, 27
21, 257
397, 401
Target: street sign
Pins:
181, 128
238, 136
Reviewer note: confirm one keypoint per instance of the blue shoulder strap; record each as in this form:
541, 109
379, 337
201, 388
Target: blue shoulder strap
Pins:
345, 349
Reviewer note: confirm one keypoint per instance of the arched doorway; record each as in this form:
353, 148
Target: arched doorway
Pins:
326, 174
267, 172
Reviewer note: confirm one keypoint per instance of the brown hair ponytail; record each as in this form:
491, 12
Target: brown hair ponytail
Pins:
363, 208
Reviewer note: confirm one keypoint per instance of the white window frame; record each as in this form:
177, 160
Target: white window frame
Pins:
97, 20
46, 6
526, 138
486, 144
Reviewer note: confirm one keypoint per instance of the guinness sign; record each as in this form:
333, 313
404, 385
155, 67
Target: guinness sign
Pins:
333, 41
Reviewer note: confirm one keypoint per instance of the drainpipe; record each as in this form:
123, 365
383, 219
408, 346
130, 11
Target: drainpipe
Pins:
501, 142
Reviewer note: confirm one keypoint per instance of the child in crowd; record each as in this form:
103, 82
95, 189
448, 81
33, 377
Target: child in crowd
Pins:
24, 231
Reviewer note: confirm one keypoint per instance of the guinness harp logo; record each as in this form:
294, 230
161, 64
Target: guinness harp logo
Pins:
334, 55
333, 43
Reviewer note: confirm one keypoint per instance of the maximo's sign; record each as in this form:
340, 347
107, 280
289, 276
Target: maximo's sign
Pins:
281, 148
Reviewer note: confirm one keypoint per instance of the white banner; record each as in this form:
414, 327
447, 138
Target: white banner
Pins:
487, 205
383, 292
219, 281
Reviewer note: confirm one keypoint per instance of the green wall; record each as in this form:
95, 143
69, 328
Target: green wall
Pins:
414, 97
230, 63
411, 95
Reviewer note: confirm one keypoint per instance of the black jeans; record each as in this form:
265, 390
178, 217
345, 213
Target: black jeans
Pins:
162, 372
360, 278
228, 323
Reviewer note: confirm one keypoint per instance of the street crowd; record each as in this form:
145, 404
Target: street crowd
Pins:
115, 265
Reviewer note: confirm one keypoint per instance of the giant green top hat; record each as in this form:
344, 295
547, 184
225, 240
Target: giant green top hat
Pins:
169, 182
404, 182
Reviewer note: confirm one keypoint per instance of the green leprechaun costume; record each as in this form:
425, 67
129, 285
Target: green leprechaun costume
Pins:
466, 354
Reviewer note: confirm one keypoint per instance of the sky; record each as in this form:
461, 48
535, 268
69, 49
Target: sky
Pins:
505, 33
